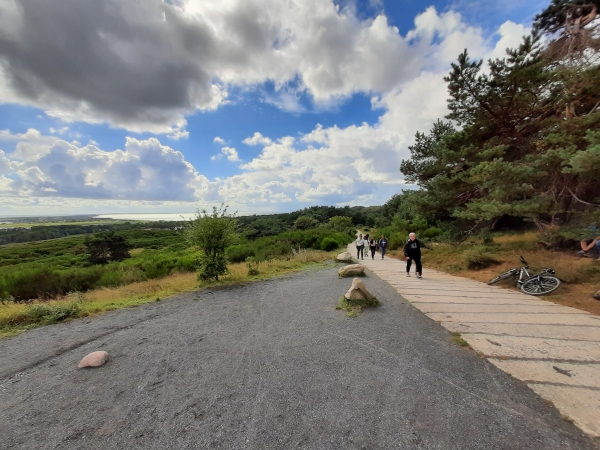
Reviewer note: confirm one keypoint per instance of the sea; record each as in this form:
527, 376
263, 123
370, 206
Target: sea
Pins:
149, 217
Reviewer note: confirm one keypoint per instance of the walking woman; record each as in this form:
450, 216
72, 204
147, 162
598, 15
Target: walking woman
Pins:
412, 251
373, 247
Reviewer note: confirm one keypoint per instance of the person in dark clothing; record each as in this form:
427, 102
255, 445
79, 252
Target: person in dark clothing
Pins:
383, 244
412, 252
373, 247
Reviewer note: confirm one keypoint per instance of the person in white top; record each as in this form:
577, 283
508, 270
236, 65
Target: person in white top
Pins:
360, 246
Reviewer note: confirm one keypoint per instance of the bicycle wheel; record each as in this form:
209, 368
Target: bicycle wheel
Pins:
540, 285
504, 276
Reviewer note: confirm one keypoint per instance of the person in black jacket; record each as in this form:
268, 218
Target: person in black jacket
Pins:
412, 251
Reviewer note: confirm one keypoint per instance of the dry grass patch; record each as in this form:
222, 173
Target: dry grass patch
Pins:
16, 317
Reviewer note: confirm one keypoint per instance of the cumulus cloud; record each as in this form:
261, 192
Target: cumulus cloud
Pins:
144, 170
231, 153
358, 163
146, 65
257, 139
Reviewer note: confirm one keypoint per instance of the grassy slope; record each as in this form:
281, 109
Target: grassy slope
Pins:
16, 317
581, 276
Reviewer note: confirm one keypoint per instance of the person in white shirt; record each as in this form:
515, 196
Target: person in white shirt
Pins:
360, 246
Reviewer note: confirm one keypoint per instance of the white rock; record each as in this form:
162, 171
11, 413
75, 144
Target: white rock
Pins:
351, 270
344, 257
94, 359
597, 295
358, 291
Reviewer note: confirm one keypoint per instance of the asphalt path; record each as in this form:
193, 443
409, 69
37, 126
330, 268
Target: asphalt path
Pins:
268, 365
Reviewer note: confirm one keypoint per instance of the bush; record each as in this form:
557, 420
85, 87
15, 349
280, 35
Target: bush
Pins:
211, 267
329, 244
252, 266
476, 260
486, 236
430, 232
212, 233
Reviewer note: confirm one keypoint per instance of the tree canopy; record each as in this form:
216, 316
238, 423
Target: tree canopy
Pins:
522, 138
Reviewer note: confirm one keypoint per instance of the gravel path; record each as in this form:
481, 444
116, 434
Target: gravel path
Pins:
269, 365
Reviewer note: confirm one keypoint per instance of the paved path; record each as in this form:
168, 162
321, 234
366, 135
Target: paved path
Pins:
553, 348
270, 365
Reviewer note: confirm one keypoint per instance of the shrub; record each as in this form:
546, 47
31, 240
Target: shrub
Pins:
430, 232
476, 260
329, 244
211, 267
212, 233
252, 266
486, 236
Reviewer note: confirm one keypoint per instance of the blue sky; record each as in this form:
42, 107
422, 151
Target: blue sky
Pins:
107, 108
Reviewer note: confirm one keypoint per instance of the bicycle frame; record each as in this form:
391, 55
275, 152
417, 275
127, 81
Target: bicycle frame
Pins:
523, 276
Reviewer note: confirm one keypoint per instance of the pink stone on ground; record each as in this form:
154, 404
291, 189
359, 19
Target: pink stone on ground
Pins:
94, 359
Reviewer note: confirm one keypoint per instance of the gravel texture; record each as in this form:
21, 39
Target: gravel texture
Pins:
268, 365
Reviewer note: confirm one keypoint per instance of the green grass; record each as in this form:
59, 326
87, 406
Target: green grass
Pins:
354, 307
458, 340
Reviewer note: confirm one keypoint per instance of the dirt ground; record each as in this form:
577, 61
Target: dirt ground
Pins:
270, 365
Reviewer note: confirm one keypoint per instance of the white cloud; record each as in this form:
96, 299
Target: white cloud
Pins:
257, 139
61, 130
193, 51
359, 163
144, 170
231, 153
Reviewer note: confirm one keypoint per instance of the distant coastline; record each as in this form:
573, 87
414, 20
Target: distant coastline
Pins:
149, 216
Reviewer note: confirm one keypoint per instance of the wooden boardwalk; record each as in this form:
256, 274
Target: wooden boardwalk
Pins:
553, 348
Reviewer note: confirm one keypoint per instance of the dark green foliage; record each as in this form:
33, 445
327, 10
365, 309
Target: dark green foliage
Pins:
105, 247
49, 269
46, 232
553, 18
276, 246
305, 223
254, 227
518, 155
486, 236
329, 244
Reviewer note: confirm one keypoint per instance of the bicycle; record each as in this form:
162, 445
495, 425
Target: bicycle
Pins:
537, 284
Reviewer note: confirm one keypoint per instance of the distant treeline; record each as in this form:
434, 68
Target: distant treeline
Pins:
43, 233
251, 227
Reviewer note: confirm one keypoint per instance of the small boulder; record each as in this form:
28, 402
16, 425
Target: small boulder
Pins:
344, 257
358, 291
597, 295
94, 359
351, 270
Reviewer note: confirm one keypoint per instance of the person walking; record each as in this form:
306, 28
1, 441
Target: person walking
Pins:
383, 244
360, 245
412, 252
373, 247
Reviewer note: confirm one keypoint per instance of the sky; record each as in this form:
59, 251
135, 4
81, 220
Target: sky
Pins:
150, 106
